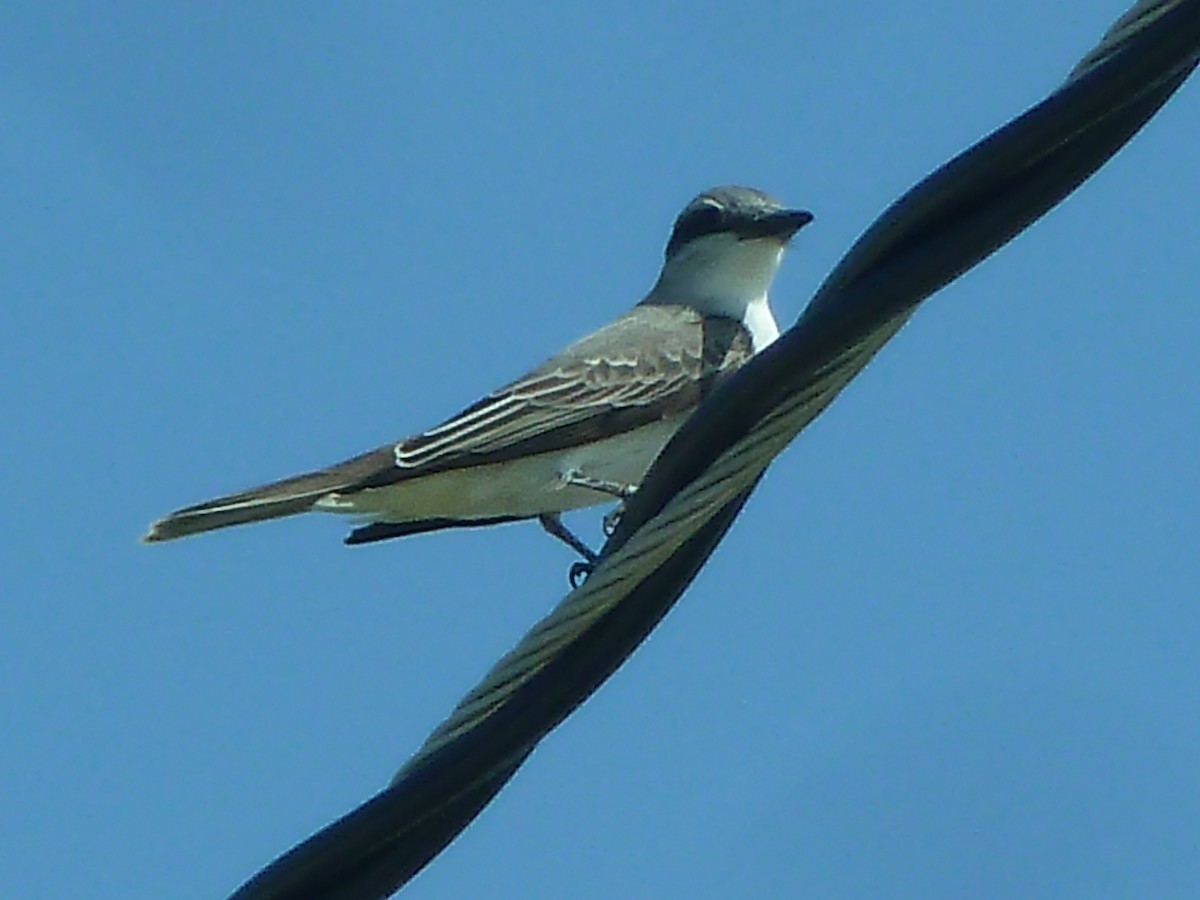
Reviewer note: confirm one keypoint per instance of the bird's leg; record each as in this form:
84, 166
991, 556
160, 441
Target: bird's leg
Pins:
617, 489
553, 525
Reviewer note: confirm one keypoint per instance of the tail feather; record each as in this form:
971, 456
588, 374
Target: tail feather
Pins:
288, 497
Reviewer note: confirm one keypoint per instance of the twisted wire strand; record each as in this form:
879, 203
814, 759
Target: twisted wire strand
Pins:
735, 470
943, 226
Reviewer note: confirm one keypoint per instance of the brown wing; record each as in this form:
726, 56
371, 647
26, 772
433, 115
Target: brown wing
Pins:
652, 363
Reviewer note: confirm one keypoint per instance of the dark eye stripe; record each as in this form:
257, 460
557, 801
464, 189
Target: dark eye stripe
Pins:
697, 222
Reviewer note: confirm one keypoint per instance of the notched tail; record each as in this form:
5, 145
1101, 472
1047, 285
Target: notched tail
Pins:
288, 497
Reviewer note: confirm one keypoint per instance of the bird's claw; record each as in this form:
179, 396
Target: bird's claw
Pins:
579, 572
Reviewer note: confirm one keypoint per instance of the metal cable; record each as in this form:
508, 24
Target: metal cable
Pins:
956, 217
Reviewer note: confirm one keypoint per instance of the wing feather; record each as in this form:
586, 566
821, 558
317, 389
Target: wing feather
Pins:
652, 363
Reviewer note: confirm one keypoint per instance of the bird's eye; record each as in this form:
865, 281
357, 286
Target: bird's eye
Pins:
704, 219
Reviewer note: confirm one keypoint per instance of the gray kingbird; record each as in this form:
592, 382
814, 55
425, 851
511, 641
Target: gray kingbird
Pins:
580, 429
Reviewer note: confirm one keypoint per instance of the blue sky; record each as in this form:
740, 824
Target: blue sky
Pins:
947, 650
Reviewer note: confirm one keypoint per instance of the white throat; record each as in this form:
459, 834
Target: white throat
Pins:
723, 276
760, 322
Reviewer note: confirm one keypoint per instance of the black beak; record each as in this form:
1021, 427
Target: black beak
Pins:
781, 225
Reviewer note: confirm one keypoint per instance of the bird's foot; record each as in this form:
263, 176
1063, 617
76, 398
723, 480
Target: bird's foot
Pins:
553, 525
612, 519
579, 572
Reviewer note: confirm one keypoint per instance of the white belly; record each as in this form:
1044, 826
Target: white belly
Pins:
518, 488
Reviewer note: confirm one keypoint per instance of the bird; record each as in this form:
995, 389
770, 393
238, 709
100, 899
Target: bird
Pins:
579, 430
